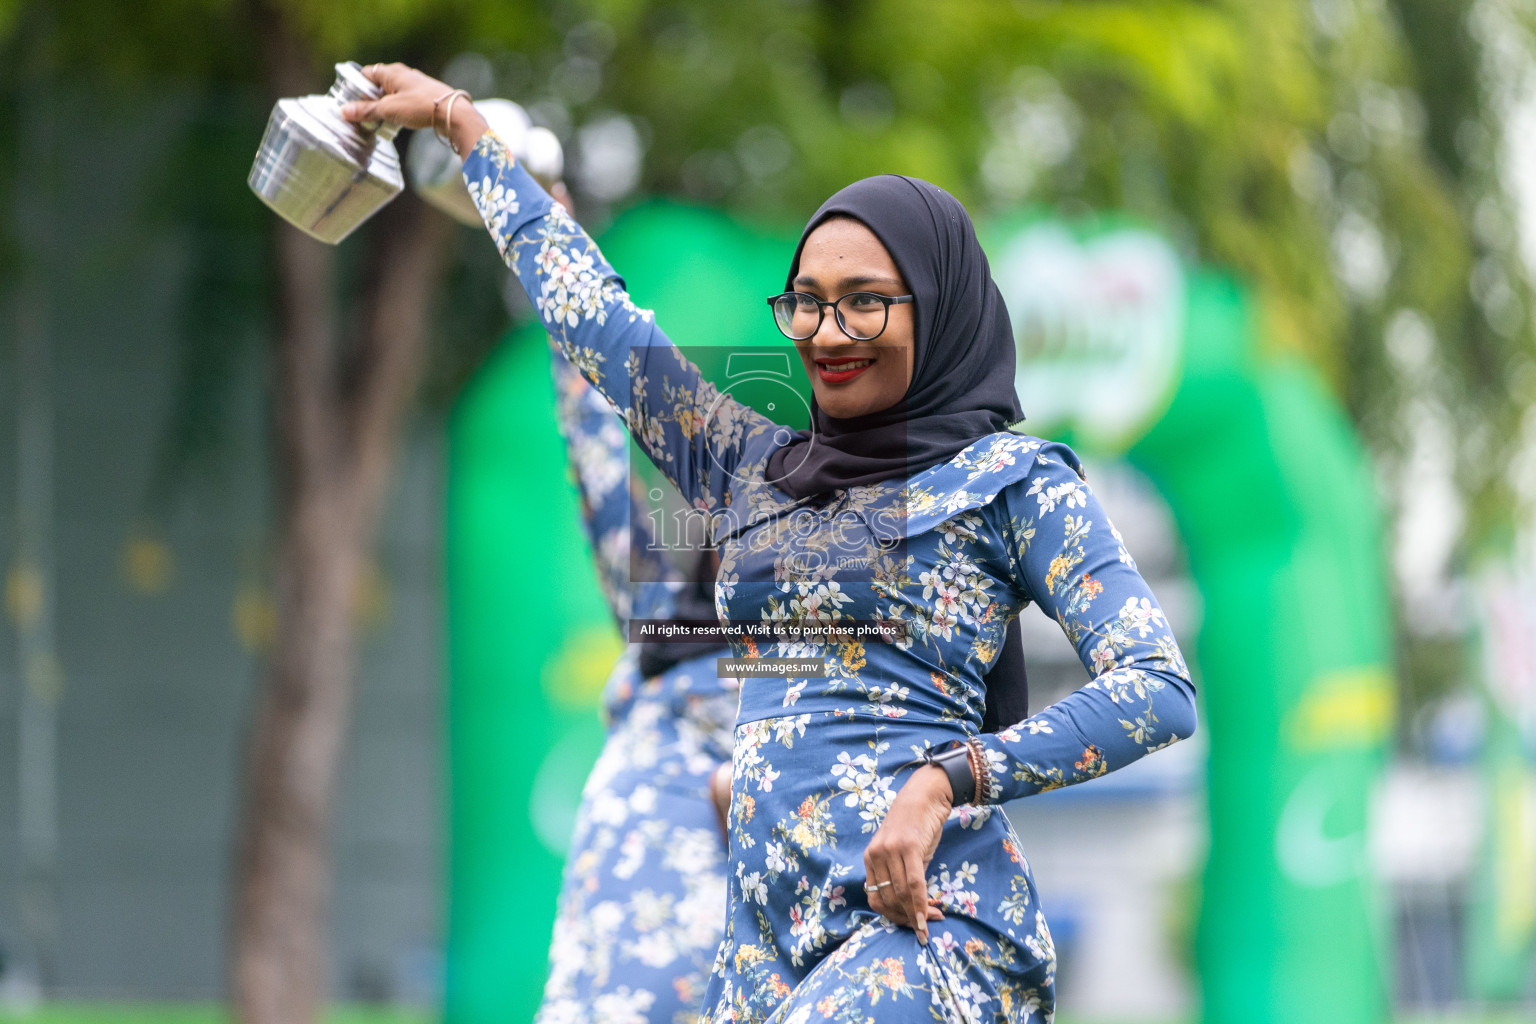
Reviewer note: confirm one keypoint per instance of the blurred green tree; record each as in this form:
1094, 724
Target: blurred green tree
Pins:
1343, 155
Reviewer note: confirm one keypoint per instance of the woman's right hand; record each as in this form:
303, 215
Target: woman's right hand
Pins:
408, 102
896, 860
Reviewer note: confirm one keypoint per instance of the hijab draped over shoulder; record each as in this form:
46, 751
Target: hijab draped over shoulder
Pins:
962, 373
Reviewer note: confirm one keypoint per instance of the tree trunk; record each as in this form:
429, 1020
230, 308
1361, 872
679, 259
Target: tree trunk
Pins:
338, 413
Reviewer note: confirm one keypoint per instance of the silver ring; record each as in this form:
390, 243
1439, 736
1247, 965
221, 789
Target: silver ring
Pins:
878, 887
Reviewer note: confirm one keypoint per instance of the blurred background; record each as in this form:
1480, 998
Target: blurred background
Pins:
301, 647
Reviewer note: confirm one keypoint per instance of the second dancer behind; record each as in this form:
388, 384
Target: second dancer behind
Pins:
642, 900
913, 502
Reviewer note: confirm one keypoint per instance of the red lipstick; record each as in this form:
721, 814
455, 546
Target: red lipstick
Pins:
842, 370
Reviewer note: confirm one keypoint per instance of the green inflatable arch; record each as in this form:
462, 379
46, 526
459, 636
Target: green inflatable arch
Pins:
1276, 506
1274, 500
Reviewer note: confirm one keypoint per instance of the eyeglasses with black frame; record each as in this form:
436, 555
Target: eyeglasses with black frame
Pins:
861, 315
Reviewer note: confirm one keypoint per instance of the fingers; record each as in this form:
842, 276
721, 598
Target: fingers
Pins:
901, 891
874, 875
407, 100
896, 860
386, 76
878, 872
407, 109
387, 109
362, 110
916, 894
904, 898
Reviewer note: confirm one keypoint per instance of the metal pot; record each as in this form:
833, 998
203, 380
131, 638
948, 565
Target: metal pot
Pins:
321, 173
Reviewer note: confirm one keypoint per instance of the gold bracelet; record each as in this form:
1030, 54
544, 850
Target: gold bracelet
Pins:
448, 118
435, 102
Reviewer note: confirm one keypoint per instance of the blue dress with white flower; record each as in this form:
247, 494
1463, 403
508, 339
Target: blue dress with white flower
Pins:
952, 553
642, 901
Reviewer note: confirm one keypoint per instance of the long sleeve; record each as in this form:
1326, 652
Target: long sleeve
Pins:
696, 437
615, 522
1068, 558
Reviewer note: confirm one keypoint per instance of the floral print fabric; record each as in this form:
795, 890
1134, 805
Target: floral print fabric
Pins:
642, 901
952, 553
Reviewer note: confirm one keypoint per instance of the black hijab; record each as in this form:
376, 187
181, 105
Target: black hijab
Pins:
962, 374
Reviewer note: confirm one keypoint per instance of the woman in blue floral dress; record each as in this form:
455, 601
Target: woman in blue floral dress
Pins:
860, 888
642, 902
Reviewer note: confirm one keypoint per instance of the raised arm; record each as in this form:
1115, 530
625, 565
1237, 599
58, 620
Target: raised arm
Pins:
695, 437
1070, 560
615, 521
678, 418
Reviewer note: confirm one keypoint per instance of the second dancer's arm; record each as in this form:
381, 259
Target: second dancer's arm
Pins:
635, 576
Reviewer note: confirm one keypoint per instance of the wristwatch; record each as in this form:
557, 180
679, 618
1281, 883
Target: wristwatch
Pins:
956, 762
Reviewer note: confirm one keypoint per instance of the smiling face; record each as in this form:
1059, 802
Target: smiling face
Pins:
854, 378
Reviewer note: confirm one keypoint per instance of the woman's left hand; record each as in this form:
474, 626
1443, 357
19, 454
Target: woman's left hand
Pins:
896, 860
